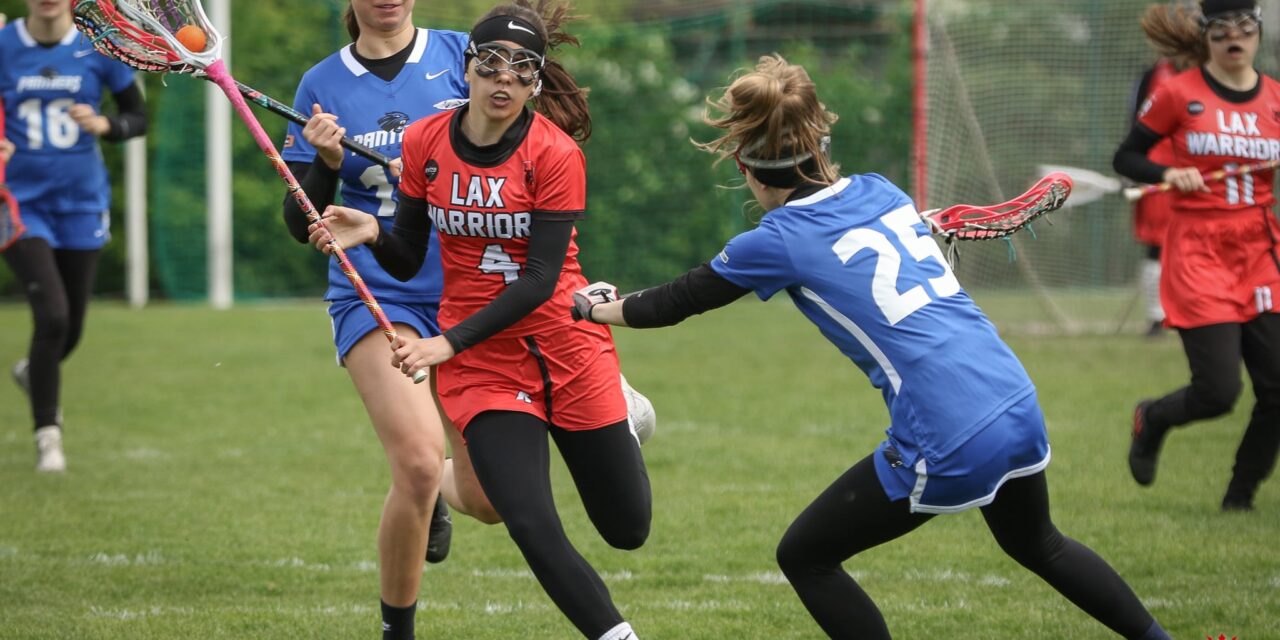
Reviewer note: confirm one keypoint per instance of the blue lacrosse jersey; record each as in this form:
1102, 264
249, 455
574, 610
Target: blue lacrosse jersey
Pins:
859, 263
375, 113
57, 168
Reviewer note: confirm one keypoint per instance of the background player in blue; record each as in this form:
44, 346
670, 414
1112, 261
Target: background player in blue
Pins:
391, 75
52, 82
965, 426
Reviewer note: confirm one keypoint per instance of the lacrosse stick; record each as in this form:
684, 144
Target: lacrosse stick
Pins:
143, 35
973, 222
281, 109
1087, 186
1137, 193
11, 227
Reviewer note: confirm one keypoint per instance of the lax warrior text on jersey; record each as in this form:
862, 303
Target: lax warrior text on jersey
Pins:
56, 167
1211, 131
376, 113
482, 210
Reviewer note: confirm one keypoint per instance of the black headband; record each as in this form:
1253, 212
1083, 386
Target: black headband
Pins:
511, 29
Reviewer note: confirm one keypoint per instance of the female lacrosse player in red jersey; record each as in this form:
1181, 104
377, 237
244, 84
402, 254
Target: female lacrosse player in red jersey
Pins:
502, 186
52, 82
1221, 266
1151, 214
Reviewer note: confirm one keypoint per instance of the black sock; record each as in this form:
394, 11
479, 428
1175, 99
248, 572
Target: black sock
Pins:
397, 622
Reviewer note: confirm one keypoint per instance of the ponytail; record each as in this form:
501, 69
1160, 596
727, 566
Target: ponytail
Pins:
773, 113
1175, 34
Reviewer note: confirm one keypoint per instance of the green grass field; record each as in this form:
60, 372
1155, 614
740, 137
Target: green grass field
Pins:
223, 483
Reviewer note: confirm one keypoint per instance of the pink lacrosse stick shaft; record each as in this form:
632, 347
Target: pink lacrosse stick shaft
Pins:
218, 74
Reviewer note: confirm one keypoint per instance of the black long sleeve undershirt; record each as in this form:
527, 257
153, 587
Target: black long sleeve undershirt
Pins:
698, 290
130, 119
320, 184
402, 252
1131, 159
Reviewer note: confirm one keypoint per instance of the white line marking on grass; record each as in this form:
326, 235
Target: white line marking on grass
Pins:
122, 560
298, 563
762, 577
5, 552
697, 605
125, 615
1275, 580
366, 566
500, 608
502, 573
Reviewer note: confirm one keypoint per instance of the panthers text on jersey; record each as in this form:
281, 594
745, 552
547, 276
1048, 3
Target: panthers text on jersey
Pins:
56, 168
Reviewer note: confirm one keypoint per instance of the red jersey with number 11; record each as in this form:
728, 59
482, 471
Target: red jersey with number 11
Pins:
483, 213
1210, 133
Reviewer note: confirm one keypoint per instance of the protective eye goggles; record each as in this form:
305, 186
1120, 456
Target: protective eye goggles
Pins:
1219, 28
492, 58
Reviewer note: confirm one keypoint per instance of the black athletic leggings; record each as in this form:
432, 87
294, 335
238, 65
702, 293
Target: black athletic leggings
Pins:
512, 458
58, 283
1214, 354
854, 514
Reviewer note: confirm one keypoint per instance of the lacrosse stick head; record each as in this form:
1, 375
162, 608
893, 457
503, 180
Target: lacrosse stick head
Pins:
144, 33
972, 222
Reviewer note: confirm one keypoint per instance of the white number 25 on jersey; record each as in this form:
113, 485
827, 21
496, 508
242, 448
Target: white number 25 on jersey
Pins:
884, 284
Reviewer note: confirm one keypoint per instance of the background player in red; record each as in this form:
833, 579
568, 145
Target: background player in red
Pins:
1151, 214
1220, 262
502, 186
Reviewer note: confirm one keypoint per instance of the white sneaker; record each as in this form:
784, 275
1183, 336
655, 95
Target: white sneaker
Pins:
49, 458
640, 415
22, 375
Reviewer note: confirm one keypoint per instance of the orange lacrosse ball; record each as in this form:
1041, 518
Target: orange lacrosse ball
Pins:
192, 37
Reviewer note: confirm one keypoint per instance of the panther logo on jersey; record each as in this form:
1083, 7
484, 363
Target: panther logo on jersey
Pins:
394, 121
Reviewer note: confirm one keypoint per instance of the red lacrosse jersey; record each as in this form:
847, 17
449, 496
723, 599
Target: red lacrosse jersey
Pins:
1210, 133
1151, 214
483, 214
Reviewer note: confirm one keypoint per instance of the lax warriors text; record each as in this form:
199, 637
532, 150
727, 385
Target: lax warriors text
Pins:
482, 192
1238, 136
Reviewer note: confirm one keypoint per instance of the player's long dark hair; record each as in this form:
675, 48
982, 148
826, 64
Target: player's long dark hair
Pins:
1174, 31
562, 101
353, 25
774, 111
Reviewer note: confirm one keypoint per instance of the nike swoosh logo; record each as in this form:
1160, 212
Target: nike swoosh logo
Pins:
433, 76
83, 53
513, 25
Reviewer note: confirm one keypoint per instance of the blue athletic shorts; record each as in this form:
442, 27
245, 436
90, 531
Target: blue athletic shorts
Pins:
352, 321
75, 231
1012, 446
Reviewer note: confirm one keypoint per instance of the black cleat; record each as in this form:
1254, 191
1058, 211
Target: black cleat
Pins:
1236, 504
1144, 450
1155, 329
440, 534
